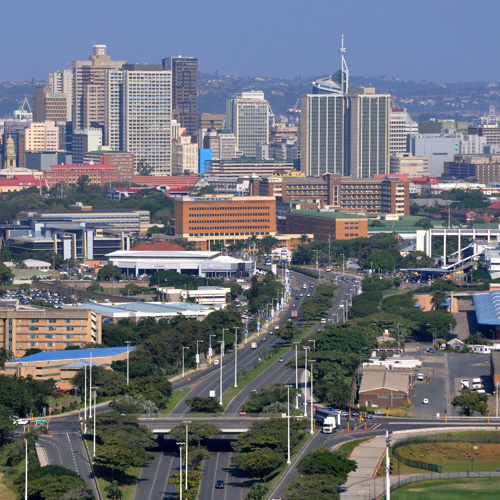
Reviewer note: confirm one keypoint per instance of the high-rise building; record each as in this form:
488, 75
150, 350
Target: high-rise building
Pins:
401, 126
184, 90
344, 131
184, 154
247, 116
222, 143
146, 113
61, 82
84, 141
48, 105
89, 78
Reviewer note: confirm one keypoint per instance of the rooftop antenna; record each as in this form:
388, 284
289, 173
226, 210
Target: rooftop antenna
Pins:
344, 68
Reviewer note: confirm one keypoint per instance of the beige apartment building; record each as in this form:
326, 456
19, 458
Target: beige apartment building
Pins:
41, 136
47, 329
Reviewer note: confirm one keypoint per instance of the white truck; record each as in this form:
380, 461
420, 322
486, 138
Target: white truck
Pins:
253, 345
329, 425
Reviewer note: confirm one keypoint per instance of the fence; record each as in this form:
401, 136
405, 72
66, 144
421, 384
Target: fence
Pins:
455, 437
444, 476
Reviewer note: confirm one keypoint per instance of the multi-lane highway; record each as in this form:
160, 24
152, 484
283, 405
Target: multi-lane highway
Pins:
65, 445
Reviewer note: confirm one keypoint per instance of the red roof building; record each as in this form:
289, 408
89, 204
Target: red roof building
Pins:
174, 181
70, 174
163, 246
20, 182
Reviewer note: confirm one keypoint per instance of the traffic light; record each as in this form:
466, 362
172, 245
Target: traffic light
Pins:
391, 468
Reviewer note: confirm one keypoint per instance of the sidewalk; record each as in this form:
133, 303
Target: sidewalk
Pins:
363, 483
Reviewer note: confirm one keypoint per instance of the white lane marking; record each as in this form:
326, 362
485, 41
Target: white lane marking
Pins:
213, 482
227, 473
156, 474
72, 453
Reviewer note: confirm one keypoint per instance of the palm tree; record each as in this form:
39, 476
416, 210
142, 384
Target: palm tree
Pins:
438, 298
304, 239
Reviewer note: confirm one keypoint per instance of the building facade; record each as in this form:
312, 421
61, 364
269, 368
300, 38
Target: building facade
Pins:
406, 163
225, 217
327, 225
184, 72
247, 116
48, 105
84, 141
401, 125
101, 175
41, 136
47, 329
375, 196
61, 82
345, 134
121, 159
437, 148
248, 166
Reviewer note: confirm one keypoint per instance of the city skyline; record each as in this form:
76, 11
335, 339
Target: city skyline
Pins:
440, 43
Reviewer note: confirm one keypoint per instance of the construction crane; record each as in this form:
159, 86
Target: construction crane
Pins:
22, 114
294, 115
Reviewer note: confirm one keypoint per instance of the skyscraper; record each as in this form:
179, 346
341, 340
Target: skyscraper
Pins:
401, 126
61, 82
344, 131
247, 116
89, 79
184, 90
146, 112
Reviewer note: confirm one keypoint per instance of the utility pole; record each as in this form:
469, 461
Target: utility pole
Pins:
180, 445
296, 377
26, 472
312, 361
220, 388
306, 348
187, 422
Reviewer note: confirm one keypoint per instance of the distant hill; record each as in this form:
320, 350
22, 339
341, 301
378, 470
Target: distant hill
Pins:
424, 100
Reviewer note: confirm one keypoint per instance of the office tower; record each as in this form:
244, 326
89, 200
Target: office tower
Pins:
41, 136
401, 126
146, 116
85, 140
344, 133
247, 116
184, 90
438, 148
48, 105
222, 143
89, 79
61, 82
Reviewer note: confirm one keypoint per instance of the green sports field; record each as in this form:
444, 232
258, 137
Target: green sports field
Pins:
453, 489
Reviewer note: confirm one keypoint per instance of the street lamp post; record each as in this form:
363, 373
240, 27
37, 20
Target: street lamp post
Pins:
183, 349
95, 397
180, 445
210, 347
221, 342
90, 385
306, 348
235, 356
223, 345
197, 356
187, 422
296, 377
85, 393
496, 394
288, 422
26, 471
128, 346
312, 361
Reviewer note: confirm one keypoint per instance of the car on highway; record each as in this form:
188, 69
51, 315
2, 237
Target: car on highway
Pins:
277, 327
430, 349
425, 401
21, 421
216, 361
280, 360
219, 484
297, 297
263, 339
242, 412
308, 295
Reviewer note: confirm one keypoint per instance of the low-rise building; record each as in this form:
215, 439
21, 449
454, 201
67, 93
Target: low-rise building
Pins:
384, 390
214, 296
23, 328
102, 175
63, 365
326, 224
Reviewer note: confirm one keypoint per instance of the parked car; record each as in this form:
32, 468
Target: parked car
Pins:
430, 350
420, 376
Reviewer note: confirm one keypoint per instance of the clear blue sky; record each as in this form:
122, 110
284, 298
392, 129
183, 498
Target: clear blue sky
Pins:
439, 40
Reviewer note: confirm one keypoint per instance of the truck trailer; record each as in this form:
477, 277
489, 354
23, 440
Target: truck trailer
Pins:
327, 419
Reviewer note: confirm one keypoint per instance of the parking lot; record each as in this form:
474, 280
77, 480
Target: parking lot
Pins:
442, 381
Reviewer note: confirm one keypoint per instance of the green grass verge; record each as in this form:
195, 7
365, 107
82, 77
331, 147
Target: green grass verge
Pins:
456, 489
7, 483
307, 272
393, 291
174, 400
128, 490
346, 448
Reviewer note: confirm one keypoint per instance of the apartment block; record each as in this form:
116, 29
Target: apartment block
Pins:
41, 136
225, 217
249, 166
47, 329
406, 163
121, 159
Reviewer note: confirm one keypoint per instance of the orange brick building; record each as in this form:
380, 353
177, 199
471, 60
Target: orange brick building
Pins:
225, 218
69, 174
325, 225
